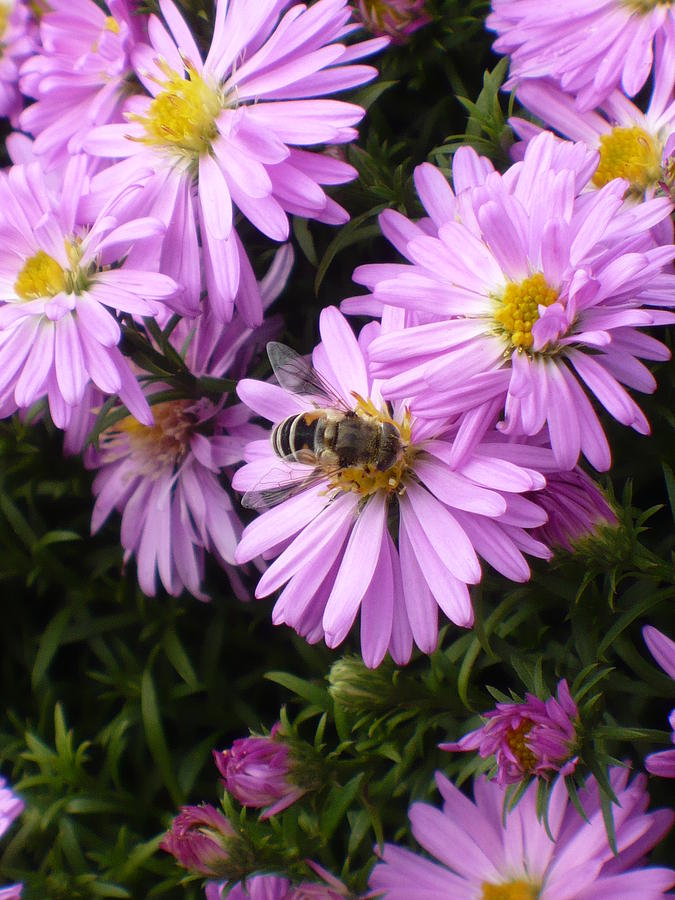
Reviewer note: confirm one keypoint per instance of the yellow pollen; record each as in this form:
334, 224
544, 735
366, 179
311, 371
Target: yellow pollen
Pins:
629, 153
182, 117
368, 479
5, 10
518, 308
154, 447
41, 276
518, 745
646, 6
513, 890
110, 24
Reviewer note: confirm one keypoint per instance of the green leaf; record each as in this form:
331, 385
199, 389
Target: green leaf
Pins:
305, 240
670, 487
312, 693
50, 642
355, 230
152, 723
336, 804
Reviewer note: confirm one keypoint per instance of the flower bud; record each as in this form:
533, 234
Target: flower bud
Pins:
532, 738
258, 772
576, 509
198, 838
394, 18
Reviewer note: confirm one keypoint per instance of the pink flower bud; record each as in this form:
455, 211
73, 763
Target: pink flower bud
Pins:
257, 772
532, 738
198, 839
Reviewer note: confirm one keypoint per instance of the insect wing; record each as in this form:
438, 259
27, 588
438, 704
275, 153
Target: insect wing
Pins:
297, 376
283, 480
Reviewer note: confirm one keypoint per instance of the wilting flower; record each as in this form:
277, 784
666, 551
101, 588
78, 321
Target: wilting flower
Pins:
536, 737
526, 289
663, 651
165, 478
59, 295
259, 771
631, 143
395, 18
80, 76
198, 838
227, 131
18, 41
484, 852
576, 509
11, 806
331, 538
589, 47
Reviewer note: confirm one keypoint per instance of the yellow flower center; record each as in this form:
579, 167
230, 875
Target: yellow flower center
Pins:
645, 6
154, 447
366, 478
629, 153
517, 309
5, 10
182, 116
41, 276
518, 745
513, 890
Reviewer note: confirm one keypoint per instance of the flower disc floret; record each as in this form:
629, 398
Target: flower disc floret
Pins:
181, 118
518, 309
630, 153
154, 447
511, 890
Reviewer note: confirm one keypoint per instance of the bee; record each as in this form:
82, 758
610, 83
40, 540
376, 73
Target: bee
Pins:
340, 443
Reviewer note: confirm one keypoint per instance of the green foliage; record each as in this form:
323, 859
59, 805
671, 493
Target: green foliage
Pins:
113, 701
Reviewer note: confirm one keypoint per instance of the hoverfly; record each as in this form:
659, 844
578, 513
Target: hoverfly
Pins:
332, 438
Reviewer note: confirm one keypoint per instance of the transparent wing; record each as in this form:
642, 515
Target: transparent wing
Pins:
297, 376
284, 479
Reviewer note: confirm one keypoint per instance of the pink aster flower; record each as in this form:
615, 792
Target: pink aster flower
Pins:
576, 509
18, 35
532, 738
528, 294
11, 806
80, 76
59, 295
334, 550
198, 839
482, 852
165, 478
273, 887
663, 651
590, 47
229, 132
632, 144
395, 18
258, 771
